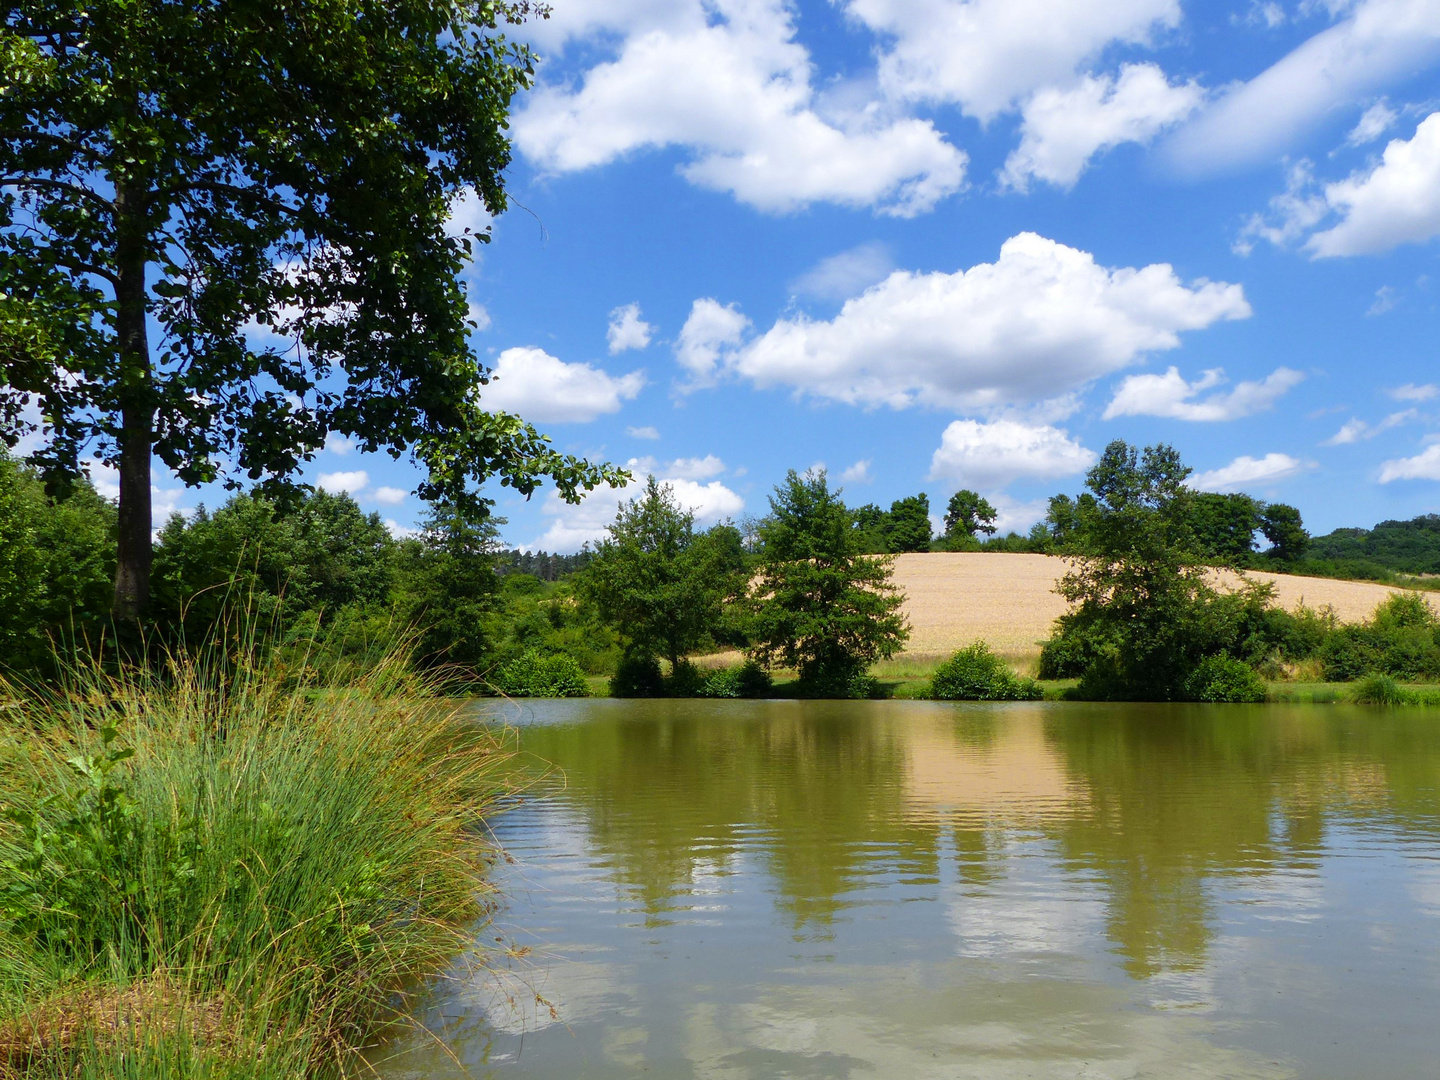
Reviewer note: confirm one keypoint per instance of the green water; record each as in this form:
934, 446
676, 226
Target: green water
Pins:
911, 889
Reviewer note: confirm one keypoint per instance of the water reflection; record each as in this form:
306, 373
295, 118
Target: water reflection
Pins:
851, 889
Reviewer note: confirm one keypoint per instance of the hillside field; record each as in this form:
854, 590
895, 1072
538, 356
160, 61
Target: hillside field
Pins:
1009, 601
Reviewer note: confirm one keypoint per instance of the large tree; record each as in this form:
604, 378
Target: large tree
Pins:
967, 513
820, 605
223, 236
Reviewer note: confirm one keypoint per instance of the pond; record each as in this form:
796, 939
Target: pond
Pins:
914, 889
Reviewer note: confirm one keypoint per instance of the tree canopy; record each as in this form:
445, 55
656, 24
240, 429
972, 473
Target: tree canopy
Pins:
819, 604
968, 513
265, 189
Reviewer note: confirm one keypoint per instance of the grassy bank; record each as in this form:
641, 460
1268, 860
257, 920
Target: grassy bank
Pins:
206, 872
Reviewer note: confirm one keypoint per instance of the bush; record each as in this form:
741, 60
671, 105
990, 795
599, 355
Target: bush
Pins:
749, 680
1380, 690
537, 674
1224, 679
637, 676
685, 681
977, 674
844, 683
1400, 640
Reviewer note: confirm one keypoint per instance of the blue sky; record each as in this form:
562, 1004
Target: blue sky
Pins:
935, 244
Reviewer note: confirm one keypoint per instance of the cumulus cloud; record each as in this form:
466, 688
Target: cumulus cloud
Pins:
991, 455
1063, 127
728, 82
646, 432
1423, 466
572, 526
468, 215
710, 328
1376, 44
696, 468
338, 444
545, 389
1246, 470
478, 316
389, 496
1038, 323
627, 330
1397, 202
1170, 395
840, 276
1374, 122
336, 482
988, 55
859, 473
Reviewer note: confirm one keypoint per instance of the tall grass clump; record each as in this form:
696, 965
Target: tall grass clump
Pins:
210, 868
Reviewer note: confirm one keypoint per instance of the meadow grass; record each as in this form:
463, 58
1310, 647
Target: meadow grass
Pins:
212, 869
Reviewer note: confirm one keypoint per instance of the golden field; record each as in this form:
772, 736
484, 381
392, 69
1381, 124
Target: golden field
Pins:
1009, 601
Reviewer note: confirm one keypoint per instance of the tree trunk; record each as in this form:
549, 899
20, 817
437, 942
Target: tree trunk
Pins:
137, 413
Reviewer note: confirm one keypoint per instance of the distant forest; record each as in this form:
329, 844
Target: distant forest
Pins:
1406, 547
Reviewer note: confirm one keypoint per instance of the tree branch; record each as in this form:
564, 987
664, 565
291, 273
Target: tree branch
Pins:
57, 185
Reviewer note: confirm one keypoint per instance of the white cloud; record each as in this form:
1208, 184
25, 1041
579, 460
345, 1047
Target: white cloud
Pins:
695, 468
859, 473
1268, 14
647, 432
389, 496
1291, 214
1396, 202
1354, 430
1378, 43
987, 55
709, 329
1063, 127
1374, 122
573, 526
338, 444
727, 81
398, 531
1247, 470
1170, 395
1386, 299
991, 455
336, 482
468, 215
1411, 392
627, 330
544, 389
1423, 466
840, 276
1037, 324
1012, 516
477, 314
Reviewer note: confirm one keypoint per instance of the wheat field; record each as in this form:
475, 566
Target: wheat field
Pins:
1009, 601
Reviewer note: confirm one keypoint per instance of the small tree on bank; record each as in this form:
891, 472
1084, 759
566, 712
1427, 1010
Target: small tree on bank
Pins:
818, 604
658, 581
267, 185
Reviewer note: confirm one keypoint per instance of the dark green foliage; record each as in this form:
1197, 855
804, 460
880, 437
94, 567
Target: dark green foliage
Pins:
966, 514
205, 168
872, 528
1402, 639
659, 583
749, 680
1411, 547
57, 567
909, 525
637, 676
542, 675
1285, 530
541, 564
1223, 679
977, 674
1224, 526
838, 685
446, 586
817, 604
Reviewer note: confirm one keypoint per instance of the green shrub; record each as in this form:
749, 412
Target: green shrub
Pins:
1380, 690
977, 674
537, 674
749, 680
637, 676
685, 681
842, 684
1224, 679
